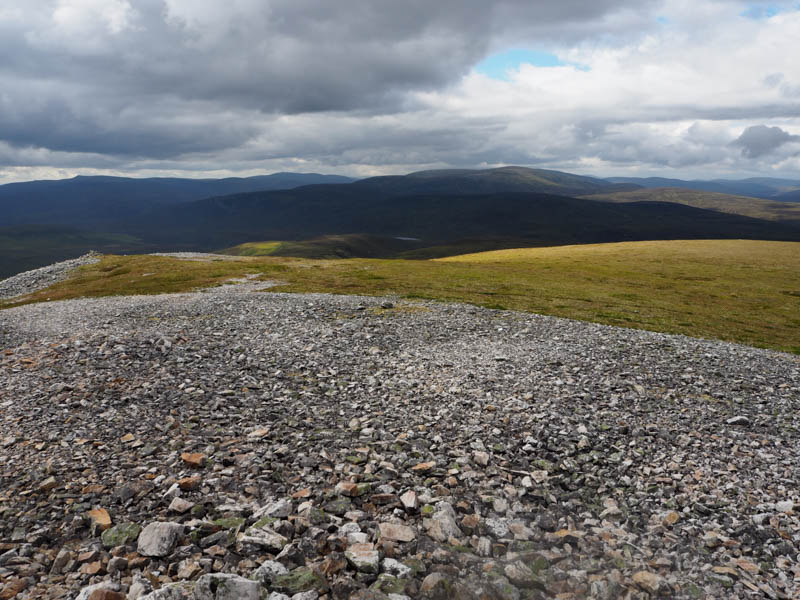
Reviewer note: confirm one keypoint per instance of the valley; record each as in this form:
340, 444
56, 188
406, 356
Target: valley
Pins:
421, 215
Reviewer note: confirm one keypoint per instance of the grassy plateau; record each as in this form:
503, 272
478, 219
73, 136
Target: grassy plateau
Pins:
735, 290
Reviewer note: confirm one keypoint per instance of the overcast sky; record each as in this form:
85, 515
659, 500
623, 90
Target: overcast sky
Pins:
676, 88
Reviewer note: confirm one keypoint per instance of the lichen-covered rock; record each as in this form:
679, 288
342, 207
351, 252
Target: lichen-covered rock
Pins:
442, 524
120, 535
364, 558
301, 579
172, 591
224, 586
268, 571
159, 538
436, 586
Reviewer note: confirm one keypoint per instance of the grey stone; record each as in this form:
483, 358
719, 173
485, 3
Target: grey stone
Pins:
140, 587
442, 525
172, 591
62, 558
268, 571
264, 537
363, 558
159, 538
280, 509
396, 568
225, 586
103, 585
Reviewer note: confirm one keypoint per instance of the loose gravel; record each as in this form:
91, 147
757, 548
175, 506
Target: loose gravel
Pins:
38, 279
316, 446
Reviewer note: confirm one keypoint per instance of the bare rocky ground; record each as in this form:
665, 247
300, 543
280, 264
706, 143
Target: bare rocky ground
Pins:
242, 444
37, 279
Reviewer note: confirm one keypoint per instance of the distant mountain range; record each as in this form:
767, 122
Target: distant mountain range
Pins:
87, 201
423, 207
445, 212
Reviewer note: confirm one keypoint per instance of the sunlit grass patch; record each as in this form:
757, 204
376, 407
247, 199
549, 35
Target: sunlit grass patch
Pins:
736, 290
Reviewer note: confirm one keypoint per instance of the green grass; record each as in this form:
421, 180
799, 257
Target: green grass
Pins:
253, 249
329, 246
735, 290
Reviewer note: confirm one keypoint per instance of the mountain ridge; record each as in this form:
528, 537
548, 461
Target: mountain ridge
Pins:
754, 187
89, 200
453, 210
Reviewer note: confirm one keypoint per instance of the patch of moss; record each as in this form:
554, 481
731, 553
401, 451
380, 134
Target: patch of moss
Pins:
302, 579
264, 522
229, 522
120, 535
389, 584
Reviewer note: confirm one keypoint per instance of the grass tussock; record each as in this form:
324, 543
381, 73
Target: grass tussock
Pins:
735, 290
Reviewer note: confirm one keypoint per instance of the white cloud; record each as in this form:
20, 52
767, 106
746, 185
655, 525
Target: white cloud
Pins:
165, 86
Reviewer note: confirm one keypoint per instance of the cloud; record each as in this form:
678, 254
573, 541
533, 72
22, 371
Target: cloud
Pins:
364, 86
759, 140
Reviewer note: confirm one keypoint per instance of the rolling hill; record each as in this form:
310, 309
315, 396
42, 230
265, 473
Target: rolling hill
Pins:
756, 208
433, 207
789, 196
446, 212
489, 181
536, 219
755, 187
91, 201
46, 221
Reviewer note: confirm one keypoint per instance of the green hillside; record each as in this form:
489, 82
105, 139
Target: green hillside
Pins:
746, 206
420, 215
329, 246
737, 290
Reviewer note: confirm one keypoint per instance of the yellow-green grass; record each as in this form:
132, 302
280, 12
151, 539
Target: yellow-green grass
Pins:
253, 249
735, 290
755, 208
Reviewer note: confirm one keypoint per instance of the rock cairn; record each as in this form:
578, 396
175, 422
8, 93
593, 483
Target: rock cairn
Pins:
234, 444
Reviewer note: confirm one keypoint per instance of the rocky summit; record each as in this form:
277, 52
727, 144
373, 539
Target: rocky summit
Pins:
241, 444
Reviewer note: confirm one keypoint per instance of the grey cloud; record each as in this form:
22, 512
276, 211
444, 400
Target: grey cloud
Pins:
758, 140
129, 87
773, 80
204, 84
295, 55
790, 91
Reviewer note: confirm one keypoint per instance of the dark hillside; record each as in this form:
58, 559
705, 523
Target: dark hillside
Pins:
756, 187
97, 201
489, 181
435, 219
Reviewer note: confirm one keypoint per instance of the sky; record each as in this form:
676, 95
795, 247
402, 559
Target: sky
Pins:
214, 88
